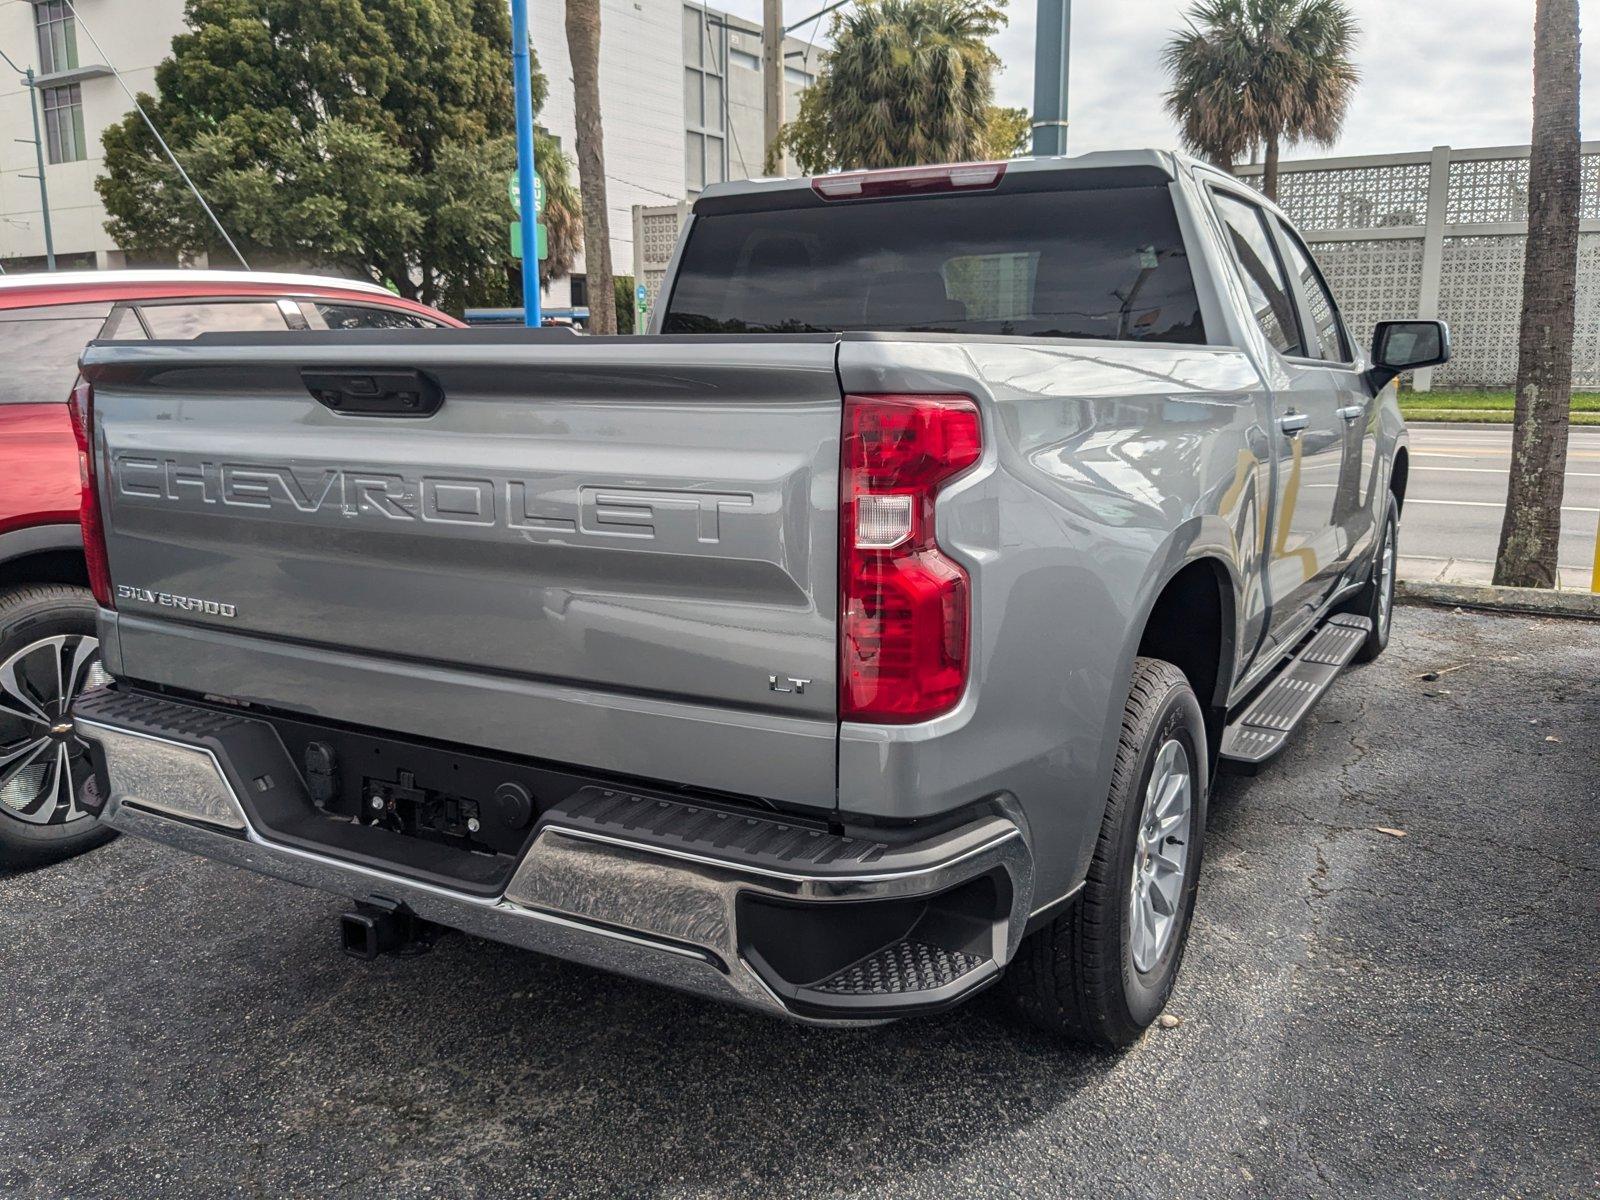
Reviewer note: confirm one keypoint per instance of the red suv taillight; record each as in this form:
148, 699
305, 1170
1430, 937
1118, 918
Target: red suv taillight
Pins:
94, 530
903, 605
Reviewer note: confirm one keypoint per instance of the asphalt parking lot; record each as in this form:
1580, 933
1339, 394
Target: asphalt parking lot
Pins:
1362, 1013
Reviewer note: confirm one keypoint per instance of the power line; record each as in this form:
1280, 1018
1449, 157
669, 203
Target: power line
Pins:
821, 12
156, 133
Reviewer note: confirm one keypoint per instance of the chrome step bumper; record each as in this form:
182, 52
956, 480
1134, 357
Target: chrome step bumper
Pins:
689, 896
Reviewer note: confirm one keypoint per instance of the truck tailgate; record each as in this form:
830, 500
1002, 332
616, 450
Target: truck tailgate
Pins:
597, 552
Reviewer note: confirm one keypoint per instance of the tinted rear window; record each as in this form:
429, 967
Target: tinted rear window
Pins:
40, 348
1087, 264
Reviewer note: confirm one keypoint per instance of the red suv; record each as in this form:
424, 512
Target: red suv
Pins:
48, 650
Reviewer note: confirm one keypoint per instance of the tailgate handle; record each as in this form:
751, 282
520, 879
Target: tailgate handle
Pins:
385, 393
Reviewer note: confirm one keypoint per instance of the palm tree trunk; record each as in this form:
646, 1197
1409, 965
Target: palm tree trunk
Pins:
1531, 533
1269, 172
583, 44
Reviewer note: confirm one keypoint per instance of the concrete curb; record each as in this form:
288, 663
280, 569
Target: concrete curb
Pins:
1538, 601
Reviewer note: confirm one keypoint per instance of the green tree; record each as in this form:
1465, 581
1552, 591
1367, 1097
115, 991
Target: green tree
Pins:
623, 306
907, 82
1253, 75
1010, 132
1530, 534
371, 137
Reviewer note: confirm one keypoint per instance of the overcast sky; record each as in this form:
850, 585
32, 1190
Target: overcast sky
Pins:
1451, 72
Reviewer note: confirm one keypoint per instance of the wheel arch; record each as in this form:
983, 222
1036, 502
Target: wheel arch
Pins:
1192, 624
43, 554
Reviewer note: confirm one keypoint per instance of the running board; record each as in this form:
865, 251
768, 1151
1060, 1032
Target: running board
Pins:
1263, 729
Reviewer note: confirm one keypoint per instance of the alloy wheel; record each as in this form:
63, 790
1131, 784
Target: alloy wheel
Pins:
1161, 856
43, 765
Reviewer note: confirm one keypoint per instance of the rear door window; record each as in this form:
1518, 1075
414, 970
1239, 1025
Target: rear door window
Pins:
321, 314
40, 348
1105, 263
189, 319
1264, 279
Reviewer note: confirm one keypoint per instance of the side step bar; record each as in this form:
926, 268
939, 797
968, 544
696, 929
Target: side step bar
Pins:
1263, 729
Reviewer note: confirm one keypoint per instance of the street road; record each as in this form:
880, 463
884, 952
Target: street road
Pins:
1457, 498
1363, 1013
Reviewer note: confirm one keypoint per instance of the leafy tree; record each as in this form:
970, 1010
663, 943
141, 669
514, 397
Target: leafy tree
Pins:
1531, 532
907, 82
623, 303
372, 137
583, 46
1257, 74
1010, 131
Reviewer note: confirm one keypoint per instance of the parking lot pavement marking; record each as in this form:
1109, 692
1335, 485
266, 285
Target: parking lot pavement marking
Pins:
1491, 504
1498, 471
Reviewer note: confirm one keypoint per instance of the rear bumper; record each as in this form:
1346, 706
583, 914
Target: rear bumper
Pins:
813, 926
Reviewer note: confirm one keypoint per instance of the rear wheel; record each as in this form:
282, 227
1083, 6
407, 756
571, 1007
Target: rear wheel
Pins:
48, 654
1102, 971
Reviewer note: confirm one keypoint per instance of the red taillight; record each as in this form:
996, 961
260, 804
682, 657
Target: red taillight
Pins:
94, 531
903, 605
910, 181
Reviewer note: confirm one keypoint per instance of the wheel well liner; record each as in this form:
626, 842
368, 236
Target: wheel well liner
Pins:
1400, 476
1192, 627
45, 566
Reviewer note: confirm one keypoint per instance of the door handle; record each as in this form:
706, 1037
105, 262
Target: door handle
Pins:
1351, 412
1292, 423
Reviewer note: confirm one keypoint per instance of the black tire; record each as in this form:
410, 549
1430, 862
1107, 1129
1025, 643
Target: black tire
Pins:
28, 615
1375, 600
1076, 976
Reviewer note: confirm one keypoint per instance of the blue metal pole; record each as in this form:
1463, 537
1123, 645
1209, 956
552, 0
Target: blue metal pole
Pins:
530, 217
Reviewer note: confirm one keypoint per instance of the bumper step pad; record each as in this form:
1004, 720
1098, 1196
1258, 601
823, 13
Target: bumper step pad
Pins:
1263, 729
907, 966
729, 836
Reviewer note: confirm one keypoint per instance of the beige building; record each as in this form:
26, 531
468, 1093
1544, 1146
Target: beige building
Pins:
680, 88
77, 97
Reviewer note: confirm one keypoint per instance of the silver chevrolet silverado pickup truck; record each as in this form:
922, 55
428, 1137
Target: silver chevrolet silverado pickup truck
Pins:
869, 633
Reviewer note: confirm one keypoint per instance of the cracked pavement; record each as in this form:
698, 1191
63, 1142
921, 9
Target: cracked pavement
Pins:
1362, 1014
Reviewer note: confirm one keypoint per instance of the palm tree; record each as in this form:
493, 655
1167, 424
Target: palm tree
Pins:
907, 82
1259, 74
1531, 531
583, 44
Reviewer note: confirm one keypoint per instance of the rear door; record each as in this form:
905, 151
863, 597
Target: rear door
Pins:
1306, 546
620, 555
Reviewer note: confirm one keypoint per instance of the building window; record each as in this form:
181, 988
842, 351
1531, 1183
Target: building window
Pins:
63, 123
743, 58
58, 37
705, 56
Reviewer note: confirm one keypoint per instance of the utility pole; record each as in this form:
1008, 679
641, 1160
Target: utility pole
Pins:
771, 74
38, 156
1052, 36
44, 188
522, 73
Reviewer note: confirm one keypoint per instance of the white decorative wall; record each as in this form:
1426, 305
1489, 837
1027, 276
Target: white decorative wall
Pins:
1441, 234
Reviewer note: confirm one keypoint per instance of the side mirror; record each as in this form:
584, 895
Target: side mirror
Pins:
1407, 345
